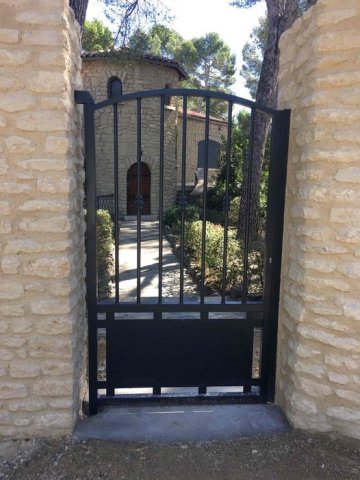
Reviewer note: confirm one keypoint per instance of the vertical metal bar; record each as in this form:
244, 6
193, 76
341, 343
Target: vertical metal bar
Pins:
116, 193
183, 198
161, 196
110, 317
226, 201
139, 205
205, 184
91, 254
274, 235
249, 172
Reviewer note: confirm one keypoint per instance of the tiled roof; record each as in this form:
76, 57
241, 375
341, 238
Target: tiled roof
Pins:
147, 57
201, 116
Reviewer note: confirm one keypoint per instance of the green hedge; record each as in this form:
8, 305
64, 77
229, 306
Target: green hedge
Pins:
104, 238
214, 257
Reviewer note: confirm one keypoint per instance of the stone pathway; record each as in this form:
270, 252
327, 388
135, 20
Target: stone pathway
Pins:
149, 264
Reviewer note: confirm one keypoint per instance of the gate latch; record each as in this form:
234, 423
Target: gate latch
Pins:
270, 259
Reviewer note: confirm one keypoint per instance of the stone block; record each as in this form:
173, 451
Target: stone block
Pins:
342, 215
56, 367
52, 387
14, 57
50, 347
5, 226
9, 35
48, 82
12, 309
58, 145
343, 413
44, 164
38, 121
43, 38
9, 390
349, 174
45, 205
51, 420
48, 267
4, 208
10, 264
14, 188
17, 144
338, 378
24, 369
50, 307
11, 290
21, 325
3, 166
33, 246
58, 224
39, 18
16, 102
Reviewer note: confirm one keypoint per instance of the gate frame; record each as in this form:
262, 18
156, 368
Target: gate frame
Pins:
274, 229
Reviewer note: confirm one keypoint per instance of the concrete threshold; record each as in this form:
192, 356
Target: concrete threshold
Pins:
189, 423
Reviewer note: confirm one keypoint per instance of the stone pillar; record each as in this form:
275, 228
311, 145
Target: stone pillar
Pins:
42, 311
318, 378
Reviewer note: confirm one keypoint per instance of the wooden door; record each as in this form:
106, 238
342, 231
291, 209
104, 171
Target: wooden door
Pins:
132, 188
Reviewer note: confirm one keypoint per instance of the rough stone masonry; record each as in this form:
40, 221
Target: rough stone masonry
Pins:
319, 336
42, 312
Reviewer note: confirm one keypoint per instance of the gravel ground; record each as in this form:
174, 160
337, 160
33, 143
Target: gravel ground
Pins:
291, 456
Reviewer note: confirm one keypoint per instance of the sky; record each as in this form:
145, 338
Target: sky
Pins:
194, 18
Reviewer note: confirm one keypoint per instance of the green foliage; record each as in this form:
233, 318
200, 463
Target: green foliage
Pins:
208, 60
214, 257
234, 210
96, 36
172, 215
252, 54
104, 238
239, 147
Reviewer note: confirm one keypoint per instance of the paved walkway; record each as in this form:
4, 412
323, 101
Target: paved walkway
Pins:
149, 264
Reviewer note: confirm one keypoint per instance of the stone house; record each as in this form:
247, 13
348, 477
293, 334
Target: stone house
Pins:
106, 74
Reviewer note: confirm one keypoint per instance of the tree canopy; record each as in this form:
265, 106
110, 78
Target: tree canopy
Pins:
96, 36
208, 60
253, 54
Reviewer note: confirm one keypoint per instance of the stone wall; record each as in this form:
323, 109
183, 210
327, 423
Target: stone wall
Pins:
319, 332
195, 134
135, 76
42, 312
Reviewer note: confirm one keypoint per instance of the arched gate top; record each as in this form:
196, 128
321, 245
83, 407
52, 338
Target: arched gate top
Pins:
83, 97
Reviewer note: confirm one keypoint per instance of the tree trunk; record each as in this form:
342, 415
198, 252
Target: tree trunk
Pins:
280, 19
79, 7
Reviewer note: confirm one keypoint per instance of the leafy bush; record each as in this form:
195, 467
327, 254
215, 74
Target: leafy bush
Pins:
214, 253
234, 211
104, 238
172, 215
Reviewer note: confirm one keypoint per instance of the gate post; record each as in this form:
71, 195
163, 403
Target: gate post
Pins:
318, 381
91, 258
42, 291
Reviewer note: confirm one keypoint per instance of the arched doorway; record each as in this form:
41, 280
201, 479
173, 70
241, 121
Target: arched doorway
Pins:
132, 188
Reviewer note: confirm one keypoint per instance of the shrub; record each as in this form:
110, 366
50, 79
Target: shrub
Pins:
214, 253
104, 238
234, 211
172, 215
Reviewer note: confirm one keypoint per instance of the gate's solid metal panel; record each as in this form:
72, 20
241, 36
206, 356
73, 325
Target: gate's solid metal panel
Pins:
179, 353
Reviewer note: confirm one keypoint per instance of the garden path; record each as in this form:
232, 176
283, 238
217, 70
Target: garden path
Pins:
149, 263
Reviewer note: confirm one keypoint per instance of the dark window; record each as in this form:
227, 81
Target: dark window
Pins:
214, 154
114, 87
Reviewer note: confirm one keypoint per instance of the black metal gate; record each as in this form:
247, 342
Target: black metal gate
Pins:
219, 344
